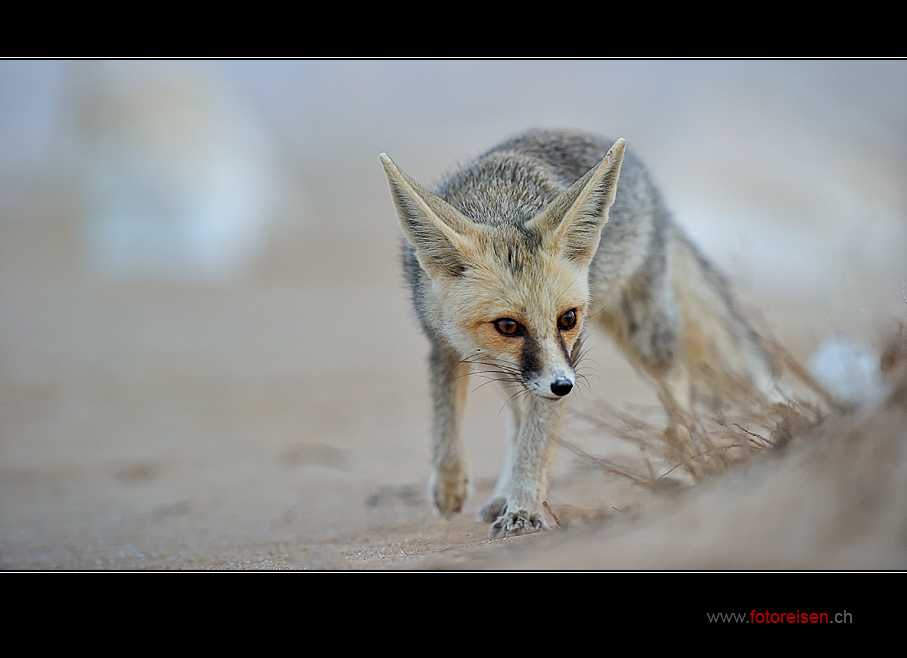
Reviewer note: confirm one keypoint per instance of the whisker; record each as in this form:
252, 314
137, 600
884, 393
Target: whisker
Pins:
522, 391
580, 377
489, 368
504, 380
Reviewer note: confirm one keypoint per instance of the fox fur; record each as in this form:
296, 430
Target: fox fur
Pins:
512, 255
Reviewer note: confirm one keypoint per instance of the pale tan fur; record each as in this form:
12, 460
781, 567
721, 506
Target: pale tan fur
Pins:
509, 259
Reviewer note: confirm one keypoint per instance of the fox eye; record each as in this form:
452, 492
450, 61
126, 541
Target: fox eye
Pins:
567, 320
508, 327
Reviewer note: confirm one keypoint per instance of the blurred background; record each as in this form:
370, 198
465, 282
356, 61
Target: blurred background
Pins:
203, 328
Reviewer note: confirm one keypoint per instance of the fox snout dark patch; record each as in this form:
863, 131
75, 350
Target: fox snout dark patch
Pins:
561, 386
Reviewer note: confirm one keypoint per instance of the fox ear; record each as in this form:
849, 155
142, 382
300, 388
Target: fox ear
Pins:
573, 222
439, 232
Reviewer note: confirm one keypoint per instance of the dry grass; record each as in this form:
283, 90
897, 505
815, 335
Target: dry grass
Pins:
731, 431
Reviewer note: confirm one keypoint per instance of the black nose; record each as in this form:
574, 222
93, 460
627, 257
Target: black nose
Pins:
561, 386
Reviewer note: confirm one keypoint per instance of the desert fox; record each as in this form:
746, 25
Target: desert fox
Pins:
512, 255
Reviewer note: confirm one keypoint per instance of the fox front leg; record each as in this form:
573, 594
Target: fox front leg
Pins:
494, 507
516, 506
448, 486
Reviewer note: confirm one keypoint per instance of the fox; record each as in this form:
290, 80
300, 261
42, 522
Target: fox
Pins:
513, 257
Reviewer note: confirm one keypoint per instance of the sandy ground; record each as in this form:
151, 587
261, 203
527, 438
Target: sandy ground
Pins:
278, 418
196, 427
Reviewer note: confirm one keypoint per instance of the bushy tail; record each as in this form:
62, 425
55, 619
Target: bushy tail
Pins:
721, 348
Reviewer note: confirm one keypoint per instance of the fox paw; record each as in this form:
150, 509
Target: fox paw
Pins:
520, 522
493, 509
448, 493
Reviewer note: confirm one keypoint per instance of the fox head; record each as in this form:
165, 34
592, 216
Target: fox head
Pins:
511, 295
